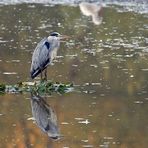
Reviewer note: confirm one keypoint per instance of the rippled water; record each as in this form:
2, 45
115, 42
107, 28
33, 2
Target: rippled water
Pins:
108, 65
120, 5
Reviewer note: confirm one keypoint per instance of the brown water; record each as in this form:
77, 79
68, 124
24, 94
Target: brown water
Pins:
108, 65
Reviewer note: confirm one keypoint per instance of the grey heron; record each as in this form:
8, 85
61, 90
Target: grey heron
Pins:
44, 53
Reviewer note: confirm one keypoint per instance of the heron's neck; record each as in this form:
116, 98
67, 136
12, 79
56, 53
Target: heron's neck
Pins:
54, 42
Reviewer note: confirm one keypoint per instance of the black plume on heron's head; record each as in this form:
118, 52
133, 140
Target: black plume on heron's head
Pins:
56, 34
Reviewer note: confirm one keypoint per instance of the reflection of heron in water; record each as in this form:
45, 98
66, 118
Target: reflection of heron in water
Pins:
44, 116
44, 53
93, 10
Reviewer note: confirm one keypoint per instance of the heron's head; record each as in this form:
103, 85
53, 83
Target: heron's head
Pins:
58, 36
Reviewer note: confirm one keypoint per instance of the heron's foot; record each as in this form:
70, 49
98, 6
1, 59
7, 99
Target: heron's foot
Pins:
44, 79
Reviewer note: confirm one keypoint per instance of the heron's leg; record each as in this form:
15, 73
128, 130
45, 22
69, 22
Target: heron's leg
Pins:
46, 74
41, 75
45, 79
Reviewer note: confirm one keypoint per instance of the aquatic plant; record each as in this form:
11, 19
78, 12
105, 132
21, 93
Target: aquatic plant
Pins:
41, 87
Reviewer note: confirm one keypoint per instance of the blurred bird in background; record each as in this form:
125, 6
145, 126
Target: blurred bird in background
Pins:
93, 10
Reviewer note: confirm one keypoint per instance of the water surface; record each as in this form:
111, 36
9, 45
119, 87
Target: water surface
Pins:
108, 65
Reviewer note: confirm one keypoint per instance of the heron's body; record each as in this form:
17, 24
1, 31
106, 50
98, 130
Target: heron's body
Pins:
44, 54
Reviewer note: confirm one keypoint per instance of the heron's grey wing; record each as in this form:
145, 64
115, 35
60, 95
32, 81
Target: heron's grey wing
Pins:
40, 58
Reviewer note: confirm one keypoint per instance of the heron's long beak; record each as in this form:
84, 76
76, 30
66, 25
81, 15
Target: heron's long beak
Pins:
64, 37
